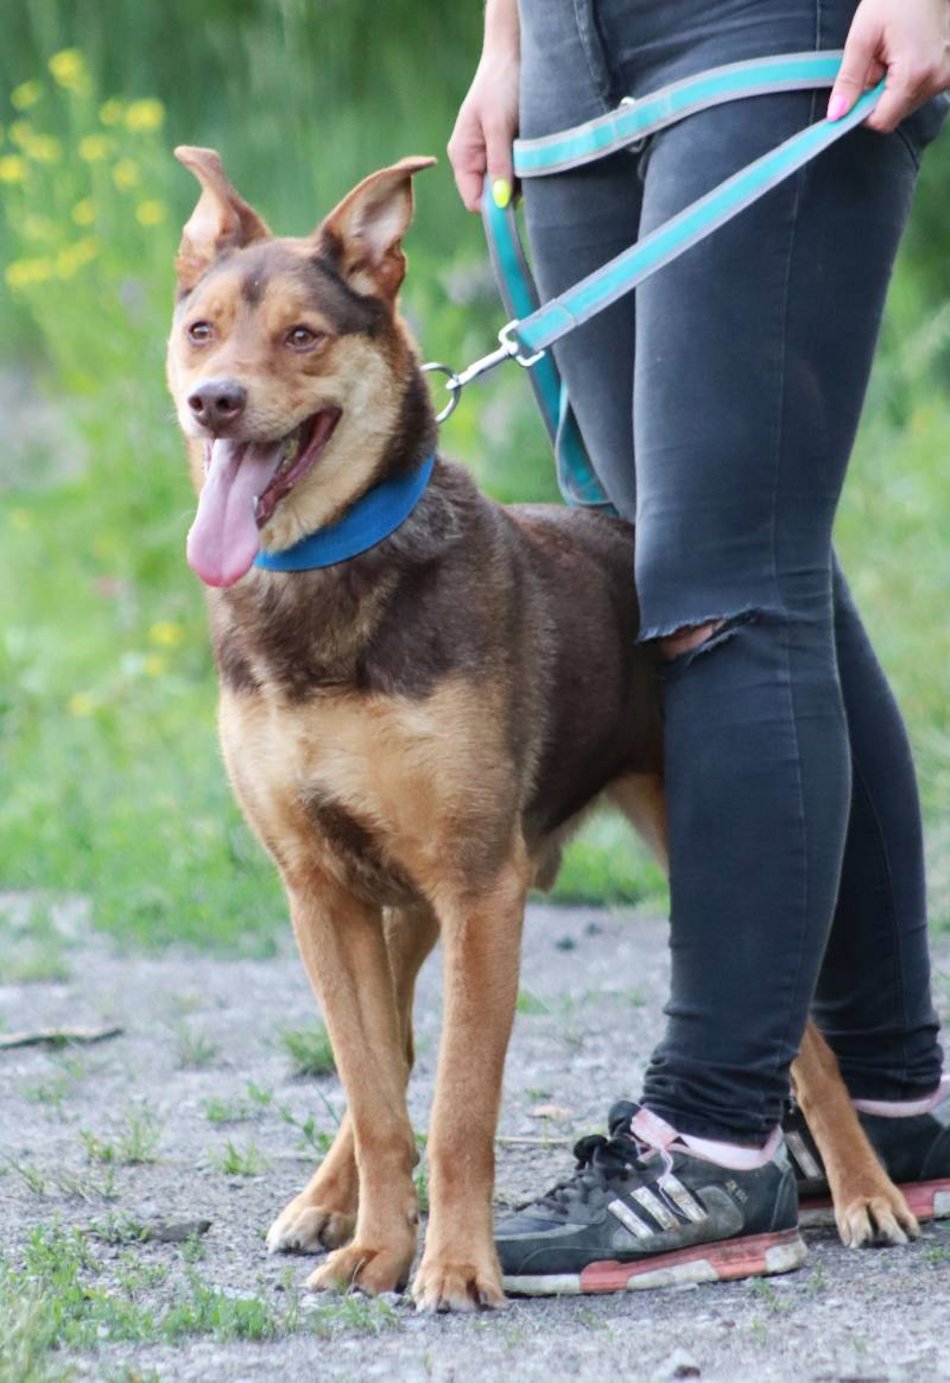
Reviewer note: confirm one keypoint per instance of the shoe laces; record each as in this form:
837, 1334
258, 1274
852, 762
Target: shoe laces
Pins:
599, 1162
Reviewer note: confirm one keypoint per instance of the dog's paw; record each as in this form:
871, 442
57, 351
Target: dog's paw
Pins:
883, 1217
303, 1227
371, 1270
448, 1286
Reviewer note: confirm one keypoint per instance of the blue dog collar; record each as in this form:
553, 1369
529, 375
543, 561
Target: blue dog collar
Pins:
372, 518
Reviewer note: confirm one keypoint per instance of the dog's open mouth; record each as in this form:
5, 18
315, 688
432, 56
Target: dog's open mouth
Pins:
244, 483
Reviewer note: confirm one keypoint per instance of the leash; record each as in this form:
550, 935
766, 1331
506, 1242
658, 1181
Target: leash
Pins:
535, 327
375, 516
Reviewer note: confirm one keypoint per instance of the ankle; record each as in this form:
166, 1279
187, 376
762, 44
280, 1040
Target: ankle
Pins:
653, 1130
906, 1109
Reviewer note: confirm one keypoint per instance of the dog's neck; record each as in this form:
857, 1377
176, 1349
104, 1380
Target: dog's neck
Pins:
301, 631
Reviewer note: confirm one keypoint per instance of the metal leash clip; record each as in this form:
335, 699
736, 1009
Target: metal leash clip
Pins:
509, 349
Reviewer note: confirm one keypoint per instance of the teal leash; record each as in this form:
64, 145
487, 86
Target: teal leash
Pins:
535, 327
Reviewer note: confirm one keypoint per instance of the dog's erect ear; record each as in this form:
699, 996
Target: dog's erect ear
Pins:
362, 234
221, 221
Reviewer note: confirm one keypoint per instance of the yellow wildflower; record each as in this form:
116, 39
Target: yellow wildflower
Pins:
70, 72
93, 148
80, 704
37, 227
13, 168
21, 132
84, 212
166, 633
25, 95
75, 257
126, 174
22, 273
150, 213
145, 115
110, 112
44, 149
21, 519
155, 665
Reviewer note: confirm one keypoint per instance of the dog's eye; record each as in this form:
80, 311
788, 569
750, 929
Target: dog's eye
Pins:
200, 333
301, 338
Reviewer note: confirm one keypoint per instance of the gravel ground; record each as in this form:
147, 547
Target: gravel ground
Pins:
588, 977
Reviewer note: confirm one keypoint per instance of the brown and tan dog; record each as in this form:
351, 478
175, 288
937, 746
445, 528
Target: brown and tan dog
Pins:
411, 733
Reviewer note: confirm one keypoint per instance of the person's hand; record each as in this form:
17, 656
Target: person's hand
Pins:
488, 118
906, 40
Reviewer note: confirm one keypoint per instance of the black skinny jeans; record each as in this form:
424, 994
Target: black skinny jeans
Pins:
720, 409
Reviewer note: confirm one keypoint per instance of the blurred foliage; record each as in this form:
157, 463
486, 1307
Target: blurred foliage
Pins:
109, 777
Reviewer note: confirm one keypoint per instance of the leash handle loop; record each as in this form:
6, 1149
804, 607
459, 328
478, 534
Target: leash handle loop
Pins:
534, 328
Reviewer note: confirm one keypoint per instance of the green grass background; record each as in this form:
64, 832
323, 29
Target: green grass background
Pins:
110, 781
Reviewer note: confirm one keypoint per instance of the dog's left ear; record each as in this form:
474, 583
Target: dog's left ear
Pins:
221, 221
362, 234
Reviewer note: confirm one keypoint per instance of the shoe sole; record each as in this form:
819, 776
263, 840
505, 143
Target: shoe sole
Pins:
753, 1255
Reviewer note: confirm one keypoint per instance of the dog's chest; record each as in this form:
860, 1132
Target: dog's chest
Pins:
374, 791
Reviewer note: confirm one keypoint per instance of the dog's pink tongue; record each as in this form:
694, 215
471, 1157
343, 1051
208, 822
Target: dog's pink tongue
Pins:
224, 538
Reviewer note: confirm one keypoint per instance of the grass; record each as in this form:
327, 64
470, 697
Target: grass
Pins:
238, 1162
60, 1298
529, 1004
310, 1050
33, 948
241, 1110
134, 1143
195, 1049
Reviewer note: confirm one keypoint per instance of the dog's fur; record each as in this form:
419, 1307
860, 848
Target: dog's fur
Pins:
413, 732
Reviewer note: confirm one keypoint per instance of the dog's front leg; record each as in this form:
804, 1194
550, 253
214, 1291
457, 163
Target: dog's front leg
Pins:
344, 951
481, 938
323, 1215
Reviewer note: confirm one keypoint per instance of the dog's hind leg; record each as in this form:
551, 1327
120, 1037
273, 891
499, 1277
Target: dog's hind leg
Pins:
869, 1208
323, 1215
410, 935
481, 939
641, 798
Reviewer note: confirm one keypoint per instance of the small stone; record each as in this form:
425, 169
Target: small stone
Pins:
551, 1111
565, 943
678, 1365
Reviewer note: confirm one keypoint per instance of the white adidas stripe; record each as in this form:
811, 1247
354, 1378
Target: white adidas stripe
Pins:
622, 1212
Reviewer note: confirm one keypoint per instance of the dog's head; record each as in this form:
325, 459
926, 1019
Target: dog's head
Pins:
287, 361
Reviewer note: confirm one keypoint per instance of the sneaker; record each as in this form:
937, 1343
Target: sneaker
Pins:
644, 1210
914, 1148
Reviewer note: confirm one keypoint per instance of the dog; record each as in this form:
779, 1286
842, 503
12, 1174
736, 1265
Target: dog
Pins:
412, 733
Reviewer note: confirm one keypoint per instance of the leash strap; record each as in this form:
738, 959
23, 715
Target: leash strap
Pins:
604, 286
535, 327
372, 518
636, 119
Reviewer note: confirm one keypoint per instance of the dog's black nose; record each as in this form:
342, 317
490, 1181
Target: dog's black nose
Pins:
217, 402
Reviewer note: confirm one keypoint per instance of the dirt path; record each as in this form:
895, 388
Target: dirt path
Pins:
199, 1032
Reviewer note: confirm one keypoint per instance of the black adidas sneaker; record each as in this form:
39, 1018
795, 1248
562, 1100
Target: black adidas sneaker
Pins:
636, 1214
914, 1148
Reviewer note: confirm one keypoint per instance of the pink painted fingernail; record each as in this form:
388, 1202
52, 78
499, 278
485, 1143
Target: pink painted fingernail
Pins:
837, 106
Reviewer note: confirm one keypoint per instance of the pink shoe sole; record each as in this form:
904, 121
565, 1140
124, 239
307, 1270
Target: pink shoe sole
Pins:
755, 1255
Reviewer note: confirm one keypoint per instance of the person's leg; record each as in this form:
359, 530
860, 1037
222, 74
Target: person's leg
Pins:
576, 222
742, 436
873, 996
